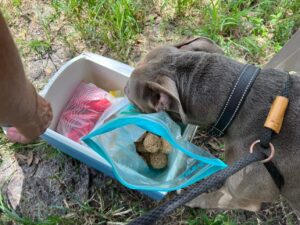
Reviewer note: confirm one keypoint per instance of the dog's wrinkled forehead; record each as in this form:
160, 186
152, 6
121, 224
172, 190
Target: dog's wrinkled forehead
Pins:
152, 87
149, 71
158, 56
137, 92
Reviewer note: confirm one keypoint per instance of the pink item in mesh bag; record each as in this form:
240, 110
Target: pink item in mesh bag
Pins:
83, 110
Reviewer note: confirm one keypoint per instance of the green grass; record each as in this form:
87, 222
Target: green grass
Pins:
39, 47
178, 8
247, 29
251, 30
7, 214
104, 22
10, 215
104, 212
199, 217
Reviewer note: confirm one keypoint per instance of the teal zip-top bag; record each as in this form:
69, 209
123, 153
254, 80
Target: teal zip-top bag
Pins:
114, 139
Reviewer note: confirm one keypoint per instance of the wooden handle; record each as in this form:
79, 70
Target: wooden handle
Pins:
276, 113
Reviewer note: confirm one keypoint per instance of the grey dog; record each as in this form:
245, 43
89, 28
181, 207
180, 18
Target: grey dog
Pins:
191, 82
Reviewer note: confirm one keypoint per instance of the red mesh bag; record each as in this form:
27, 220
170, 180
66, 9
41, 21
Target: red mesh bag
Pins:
83, 110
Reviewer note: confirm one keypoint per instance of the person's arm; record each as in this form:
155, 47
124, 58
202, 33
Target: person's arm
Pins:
20, 106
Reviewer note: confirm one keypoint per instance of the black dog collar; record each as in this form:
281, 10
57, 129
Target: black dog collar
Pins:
234, 102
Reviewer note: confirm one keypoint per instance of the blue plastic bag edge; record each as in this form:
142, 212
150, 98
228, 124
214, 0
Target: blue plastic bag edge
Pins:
215, 164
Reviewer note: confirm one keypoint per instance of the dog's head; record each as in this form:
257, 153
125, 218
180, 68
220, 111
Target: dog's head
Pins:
151, 86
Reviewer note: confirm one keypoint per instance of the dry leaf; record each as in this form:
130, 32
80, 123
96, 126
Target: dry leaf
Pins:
37, 159
30, 158
22, 159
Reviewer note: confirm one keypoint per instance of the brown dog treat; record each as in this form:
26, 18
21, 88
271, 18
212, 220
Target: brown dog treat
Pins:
158, 160
140, 147
166, 148
152, 143
146, 157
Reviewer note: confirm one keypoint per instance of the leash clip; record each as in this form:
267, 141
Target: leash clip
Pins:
271, 148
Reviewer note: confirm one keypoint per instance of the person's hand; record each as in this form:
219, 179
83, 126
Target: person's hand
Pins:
34, 126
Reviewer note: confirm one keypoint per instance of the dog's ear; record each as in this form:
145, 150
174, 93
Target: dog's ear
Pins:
164, 97
200, 44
